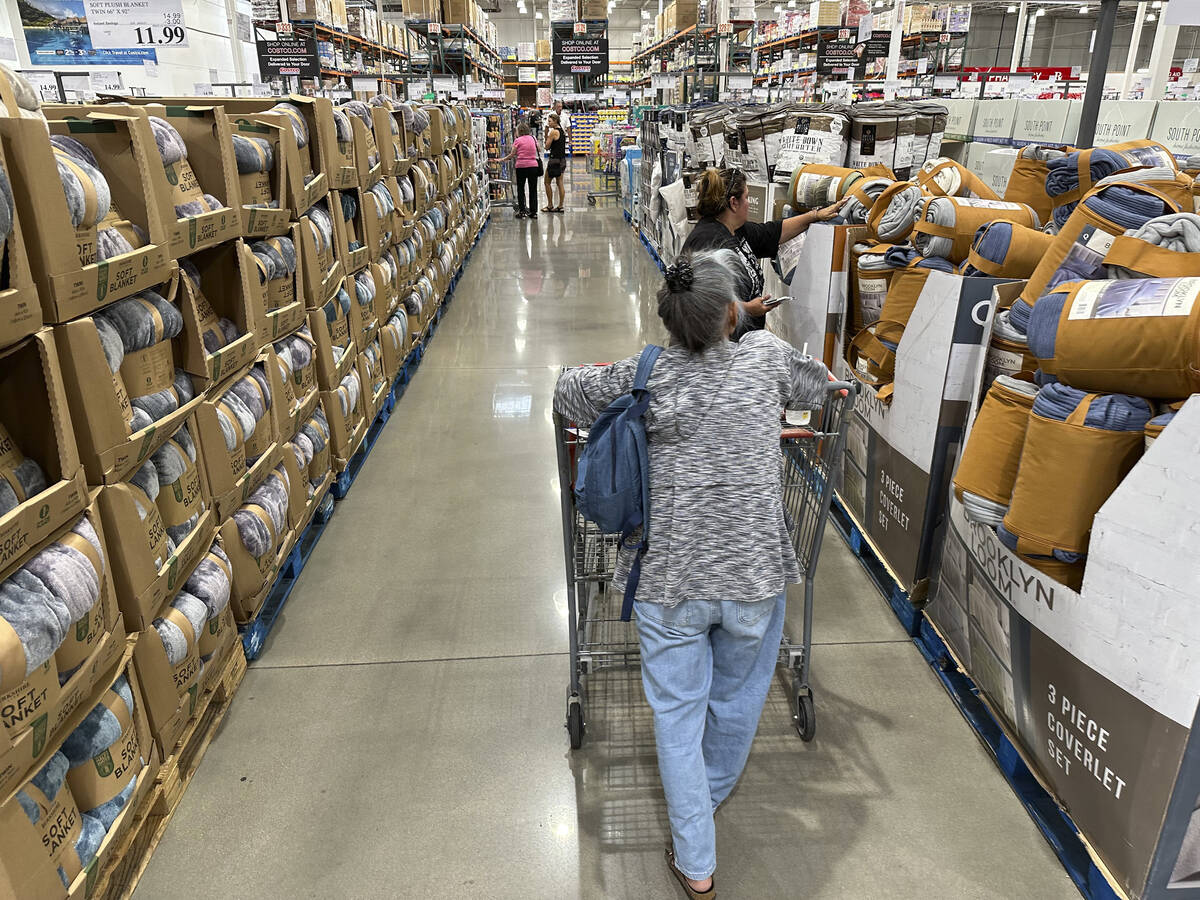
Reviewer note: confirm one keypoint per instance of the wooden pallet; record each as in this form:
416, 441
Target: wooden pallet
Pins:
129, 861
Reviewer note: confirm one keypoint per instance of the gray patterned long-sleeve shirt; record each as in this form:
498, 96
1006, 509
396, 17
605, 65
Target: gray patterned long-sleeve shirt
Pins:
717, 530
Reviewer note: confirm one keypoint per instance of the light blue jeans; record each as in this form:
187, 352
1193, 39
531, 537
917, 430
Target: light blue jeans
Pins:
706, 667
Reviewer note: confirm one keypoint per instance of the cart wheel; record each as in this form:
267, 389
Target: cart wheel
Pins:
575, 722
591, 201
806, 717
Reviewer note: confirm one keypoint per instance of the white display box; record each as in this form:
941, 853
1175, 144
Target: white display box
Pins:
960, 118
1124, 120
1177, 127
995, 120
1046, 121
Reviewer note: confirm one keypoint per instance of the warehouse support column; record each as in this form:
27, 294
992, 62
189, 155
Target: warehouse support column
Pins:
1135, 44
1019, 36
1097, 67
1161, 57
893, 62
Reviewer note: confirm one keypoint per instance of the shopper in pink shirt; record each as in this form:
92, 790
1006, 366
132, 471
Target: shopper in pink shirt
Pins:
528, 166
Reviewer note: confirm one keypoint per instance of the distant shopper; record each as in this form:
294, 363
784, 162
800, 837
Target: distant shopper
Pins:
723, 204
556, 163
713, 588
564, 118
528, 166
535, 121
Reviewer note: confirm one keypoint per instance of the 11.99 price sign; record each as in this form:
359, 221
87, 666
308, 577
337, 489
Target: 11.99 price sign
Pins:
116, 24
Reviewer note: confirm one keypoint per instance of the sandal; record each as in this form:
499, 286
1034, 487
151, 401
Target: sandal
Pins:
548, 209
692, 893
557, 209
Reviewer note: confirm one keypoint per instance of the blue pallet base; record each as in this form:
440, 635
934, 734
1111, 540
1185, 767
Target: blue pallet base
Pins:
628, 217
254, 635
347, 477
1053, 822
653, 253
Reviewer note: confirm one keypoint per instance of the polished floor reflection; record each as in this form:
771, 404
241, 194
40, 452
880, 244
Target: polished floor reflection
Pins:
402, 735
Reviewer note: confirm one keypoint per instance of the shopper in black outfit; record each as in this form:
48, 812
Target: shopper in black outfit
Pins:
556, 164
722, 203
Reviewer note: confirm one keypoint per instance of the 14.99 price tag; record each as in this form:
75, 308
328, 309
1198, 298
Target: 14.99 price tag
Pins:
115, 24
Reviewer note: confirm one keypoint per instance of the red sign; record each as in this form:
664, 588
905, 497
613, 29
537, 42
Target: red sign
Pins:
1039, 73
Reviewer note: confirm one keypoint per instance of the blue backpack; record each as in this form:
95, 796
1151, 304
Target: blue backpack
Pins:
612, 481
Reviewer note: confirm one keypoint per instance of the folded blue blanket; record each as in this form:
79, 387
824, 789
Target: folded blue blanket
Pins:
1063, 176
905, 255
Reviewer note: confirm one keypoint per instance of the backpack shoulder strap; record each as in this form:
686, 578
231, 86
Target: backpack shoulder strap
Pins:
645, 366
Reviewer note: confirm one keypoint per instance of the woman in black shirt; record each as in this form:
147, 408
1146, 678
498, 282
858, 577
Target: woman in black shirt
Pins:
722, 203
556, 163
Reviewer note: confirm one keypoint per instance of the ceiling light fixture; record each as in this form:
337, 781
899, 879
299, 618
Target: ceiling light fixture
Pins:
1150, 17
778, 8
538, 14
1083, 10
1157, 4
1011, 9
1040, 12
645, 15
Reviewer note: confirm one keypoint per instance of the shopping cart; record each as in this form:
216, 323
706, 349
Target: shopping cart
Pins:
812, 456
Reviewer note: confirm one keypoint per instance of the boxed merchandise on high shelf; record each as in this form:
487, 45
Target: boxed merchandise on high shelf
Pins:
195, 181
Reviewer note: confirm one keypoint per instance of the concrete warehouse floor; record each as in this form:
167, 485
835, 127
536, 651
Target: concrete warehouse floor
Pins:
402, 734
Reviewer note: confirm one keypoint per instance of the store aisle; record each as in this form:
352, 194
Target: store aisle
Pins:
402, 734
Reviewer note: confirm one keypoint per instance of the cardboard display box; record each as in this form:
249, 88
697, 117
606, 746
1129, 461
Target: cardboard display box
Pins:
253, 577
109, 452
230, 475
278, 305
323, 271
366, 148
208, 169
995, 120
20, 309
338, 157
1177, 127
1098, 688
960, 119
368, 316
821, 264
29, 870
349, 232
395, 341
375, 383
378, 230
37, 422
1046, 122
297, 490
37, 714
1124, 120
392, 152
222, 294
70, 281
346, 432
343, 332
899, 454
259, 189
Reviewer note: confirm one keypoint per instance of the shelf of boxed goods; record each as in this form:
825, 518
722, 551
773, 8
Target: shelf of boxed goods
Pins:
450, 30
322, 31
669, 42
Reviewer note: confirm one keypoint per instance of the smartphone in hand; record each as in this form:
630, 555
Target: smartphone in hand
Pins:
772, 302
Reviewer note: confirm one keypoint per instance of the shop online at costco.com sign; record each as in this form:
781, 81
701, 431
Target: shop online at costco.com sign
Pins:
580, 55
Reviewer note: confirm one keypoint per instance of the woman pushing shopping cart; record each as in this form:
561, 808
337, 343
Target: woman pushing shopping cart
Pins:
733, 521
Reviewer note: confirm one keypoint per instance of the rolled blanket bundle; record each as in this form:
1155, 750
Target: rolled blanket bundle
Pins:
144, 490
1163, 247
944, 177
892, 217
316, 432
415, 118
211, 580
263, 519
364, 288
215, 332
241, 407
814, 186
862, 195
37, 799
872, 353
1078, 448
296, 118
26, 95
45, 597
1110, 209
302, 449
95, 736
384, 202
173, 151
341, 126
406, 192
322, 227
1027, 181
946, 226
348, 393
1007, 250
158, 404
1137, 336
336, 309
987, 470
84, 185
20, 476
252, 154
905, 256
362, 112
179, 499
1069, 177
181, 628
871, 274
295, 352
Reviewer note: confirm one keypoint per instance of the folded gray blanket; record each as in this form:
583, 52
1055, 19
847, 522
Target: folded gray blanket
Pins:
1178, 232
24, 480
271, 497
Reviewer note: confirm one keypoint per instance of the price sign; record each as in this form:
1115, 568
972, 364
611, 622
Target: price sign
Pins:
118, 24
435, 27
581, 27
943, 38
739, 82
724, 28
284, 28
